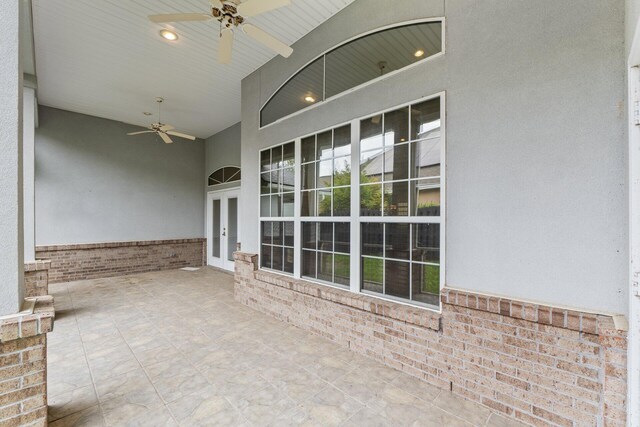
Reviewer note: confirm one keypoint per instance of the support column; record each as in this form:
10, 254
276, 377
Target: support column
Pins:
11, 226
28, 173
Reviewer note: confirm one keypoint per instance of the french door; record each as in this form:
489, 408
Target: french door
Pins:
223, 208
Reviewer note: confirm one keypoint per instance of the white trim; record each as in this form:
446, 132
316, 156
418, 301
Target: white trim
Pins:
633, 356
441, 19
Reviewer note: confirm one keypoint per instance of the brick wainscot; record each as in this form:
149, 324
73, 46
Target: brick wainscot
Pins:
95, 260
539, 364
23, 364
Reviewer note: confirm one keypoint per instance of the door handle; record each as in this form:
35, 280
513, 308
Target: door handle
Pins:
224, 231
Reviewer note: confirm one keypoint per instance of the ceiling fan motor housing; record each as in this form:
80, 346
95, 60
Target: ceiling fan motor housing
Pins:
228, 16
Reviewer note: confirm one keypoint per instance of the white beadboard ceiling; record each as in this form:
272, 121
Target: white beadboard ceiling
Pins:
104, 58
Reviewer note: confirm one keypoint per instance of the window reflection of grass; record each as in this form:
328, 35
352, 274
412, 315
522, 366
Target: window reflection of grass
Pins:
431, 279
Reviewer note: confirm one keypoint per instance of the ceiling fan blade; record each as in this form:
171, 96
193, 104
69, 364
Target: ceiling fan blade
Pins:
141, 132
165, 137
256, 7
181, 135
267, 39
225, 47
165, 128
179, 17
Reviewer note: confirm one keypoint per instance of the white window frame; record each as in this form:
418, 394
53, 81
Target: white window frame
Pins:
355, 220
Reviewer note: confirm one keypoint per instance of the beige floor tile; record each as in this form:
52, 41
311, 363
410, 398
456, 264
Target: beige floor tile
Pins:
62, 405
496, 420
465, 409
90, 417
157, 361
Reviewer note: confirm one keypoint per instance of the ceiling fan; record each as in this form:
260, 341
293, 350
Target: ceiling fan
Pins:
232, 14
163, 130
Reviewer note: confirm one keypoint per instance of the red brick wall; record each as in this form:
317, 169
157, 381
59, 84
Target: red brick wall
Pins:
90, 261
539, 364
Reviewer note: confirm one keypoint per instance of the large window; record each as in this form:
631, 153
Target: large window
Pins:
352, 64
376, 231
277, 185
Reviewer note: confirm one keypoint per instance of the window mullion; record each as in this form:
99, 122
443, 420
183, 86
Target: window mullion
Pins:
355, 246
297, 207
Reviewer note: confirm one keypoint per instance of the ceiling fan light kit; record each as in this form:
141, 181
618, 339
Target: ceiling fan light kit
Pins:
232, 14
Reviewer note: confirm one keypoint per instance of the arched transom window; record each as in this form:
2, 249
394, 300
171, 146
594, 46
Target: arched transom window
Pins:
225, 175
354, 63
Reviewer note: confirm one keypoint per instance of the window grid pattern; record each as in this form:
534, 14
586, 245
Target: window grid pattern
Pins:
277, 176
224, 175
326, 173
400, 180
326, 252
398, 230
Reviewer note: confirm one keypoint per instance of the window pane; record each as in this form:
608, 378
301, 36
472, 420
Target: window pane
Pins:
371, 200
397, 241
325, 266
372, 274
396, 282
325, 242
287, 204
396, 199
291, 97
342, 171
276, 207
308, 149
265, 160
425, 197
265, 206
342, 237
309, 176
324, 145
288, 233
217, 177
425, 157
342, 269
265, 258
288, 154
276, 258
371, 133
425, 119
309, 235
325, 171
265, 183
342, 201
396, 163
358, 61
342, 140
371, 166
288, 260
266, 233
396, 126
425, 283
372, 239
215, 232
426, 243
276, 157
324, 202
277, 232
288, 179
308, 203
309, 263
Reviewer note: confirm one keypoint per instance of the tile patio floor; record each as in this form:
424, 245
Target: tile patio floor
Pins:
174, 348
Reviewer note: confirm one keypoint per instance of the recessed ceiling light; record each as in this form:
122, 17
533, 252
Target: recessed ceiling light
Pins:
309, 99
418, 53
169, 35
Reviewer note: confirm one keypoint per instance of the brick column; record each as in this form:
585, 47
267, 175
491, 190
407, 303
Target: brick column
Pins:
23, 364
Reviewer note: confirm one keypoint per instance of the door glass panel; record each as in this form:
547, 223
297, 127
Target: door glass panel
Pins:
215, 230
232, 227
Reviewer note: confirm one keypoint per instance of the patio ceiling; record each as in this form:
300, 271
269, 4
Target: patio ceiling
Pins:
107, 60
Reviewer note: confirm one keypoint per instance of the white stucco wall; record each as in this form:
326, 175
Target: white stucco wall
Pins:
536, 150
